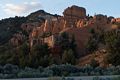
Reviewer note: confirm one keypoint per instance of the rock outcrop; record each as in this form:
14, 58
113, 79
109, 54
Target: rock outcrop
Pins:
75, 22
17, 39
28, 27
73, 14
116, 20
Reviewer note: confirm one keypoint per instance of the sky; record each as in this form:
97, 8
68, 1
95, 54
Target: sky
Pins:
11, 8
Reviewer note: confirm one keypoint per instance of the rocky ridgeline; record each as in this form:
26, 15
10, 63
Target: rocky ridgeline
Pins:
74, 21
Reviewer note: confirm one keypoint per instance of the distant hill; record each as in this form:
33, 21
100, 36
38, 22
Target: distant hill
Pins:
12, 25
38, 15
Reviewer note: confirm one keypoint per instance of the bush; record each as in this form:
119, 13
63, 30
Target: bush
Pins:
40, 69
1, 75
68, 57
9, 76
9, 69
12, 71
113, 48
47, 72
117, 78
94, 63
59, 69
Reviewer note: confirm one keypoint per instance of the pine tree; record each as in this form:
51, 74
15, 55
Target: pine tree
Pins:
68, 57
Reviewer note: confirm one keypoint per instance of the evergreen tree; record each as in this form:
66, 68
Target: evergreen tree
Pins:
113, 47
39, 55
68, 57
94, 63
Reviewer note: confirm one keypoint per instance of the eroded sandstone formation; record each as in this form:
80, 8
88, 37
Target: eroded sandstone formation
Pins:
28, 27
75, 22
116, 20
17, 39
54, 25
73, 14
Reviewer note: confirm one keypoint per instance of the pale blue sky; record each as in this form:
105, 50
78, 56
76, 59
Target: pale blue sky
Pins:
10, 8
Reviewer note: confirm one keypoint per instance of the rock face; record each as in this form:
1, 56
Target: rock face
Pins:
73, 14
35, 35
81, 37
28, 27
81, 23
78, 12
100, 19
116, 20
17, 39
52, 40
54, 25
59, 25
74, 22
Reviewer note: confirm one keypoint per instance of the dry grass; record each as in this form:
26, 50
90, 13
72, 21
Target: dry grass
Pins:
98, 56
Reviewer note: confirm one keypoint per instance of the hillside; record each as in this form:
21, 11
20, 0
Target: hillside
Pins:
98, 56
43, 39
8, 27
